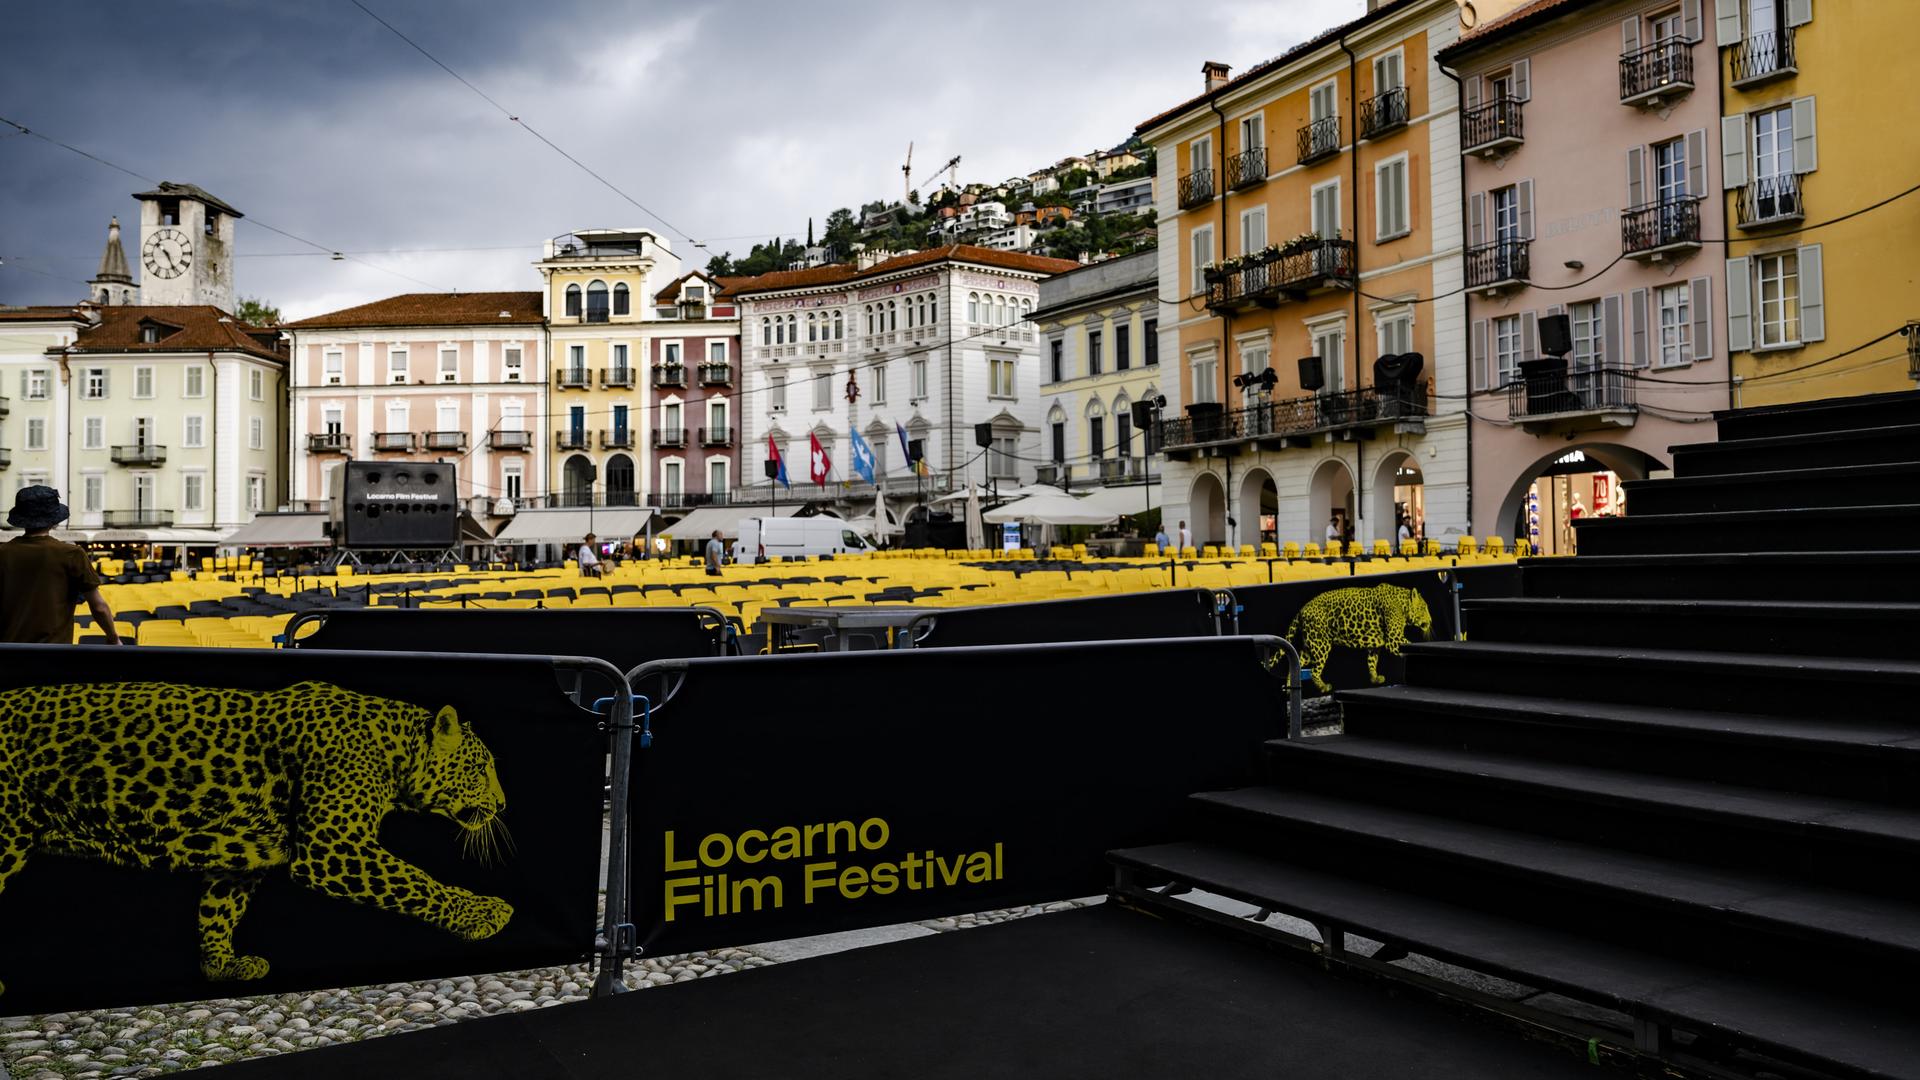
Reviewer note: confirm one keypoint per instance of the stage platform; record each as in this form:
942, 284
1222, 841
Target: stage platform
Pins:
1097, 992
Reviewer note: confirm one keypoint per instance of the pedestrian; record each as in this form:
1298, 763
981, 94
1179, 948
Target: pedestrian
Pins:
1161, 540
1405, 532
716, 551
1186, 537
1333, 531
41, 578
589, 560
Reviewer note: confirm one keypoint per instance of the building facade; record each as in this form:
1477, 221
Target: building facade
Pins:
455, 377
1590, 136
1309, 264
1099, 355
693, 352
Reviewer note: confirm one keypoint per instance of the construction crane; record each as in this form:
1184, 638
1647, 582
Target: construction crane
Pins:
906, 176
953, 179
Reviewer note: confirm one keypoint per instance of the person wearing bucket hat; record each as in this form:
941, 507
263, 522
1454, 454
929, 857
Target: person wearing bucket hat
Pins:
42, 578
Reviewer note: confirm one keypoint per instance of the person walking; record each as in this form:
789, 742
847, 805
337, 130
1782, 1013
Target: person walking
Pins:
1333, 531
1186, 537
1161, 540
42, 578
716, 551
588, 559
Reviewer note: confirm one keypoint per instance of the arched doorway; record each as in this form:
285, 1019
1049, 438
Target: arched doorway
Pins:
1398, 490
1257, 509
620, 481
1207, 510
576, 481
1329, 496
1566, 485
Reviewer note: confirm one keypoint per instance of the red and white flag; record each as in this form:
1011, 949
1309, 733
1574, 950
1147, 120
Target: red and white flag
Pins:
821, 466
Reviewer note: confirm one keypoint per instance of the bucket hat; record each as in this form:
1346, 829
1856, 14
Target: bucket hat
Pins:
37, 507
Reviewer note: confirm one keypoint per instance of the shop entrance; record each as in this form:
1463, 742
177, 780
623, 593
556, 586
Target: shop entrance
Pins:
1576, 483
1330, 499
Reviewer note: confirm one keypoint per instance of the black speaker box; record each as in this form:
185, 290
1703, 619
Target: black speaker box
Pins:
1313, 374
1556, 335
395, 504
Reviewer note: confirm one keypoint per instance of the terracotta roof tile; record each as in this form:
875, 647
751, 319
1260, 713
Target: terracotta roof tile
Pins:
670, 292
39, 314
190, 328
433, 309
1517, 19
840, 272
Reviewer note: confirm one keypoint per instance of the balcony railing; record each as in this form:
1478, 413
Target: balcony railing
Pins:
716, 436
393, 440
446, 440
510, 440
712, 374
1763, 56
618, 377
1653, 229
1282, 273
618, 438
1490, 128
573, 378
1659, 70
1320, 138
1769, 200
1497, 265
1296, 418
570, 440
327, 442
1546, 389
1383, 112
675, 500
1246, 168
143, 518
669, 438
1196, 189
670, 375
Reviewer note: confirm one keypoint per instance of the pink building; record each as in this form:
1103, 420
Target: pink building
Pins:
455, 377
693, 358
1590, 139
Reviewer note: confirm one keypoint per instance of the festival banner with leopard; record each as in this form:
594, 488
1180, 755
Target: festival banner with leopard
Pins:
176, 826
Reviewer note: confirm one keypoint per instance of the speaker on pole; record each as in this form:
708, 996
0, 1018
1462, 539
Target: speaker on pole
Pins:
1313, 373
772, 467
1556, 335
983, 435
916, 451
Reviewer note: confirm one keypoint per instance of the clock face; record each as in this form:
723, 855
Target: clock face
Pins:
167, 253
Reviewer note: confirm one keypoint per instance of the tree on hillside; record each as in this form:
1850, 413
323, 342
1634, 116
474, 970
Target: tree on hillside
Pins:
842, 229
257, 312
721, 265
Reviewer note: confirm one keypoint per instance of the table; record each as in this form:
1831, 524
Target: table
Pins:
838, 621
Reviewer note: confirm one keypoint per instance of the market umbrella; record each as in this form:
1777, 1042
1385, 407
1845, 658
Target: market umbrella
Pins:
976, 531
881, 527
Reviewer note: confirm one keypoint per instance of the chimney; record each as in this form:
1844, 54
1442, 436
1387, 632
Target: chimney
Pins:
1215, 73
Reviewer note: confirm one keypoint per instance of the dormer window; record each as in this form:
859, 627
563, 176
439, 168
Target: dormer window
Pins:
696, 294
149, 335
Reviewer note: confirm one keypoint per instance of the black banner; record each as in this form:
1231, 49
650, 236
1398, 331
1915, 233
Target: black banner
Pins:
179, 824
784, 796
623, 637
1339, 624
1123, 616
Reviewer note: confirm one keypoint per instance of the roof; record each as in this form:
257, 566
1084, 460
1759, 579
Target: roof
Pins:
45, 313
839, 273
170, 190
1391, 7
671, 290
1512, 22
113, 261
184, 328
567, 525
433, 309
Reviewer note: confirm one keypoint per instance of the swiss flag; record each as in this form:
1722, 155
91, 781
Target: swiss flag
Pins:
821, 466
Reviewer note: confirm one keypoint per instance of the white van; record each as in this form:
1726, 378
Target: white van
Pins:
762, 539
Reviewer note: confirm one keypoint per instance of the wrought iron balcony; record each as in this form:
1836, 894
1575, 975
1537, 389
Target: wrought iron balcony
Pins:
325, 442
143, 518
619, 438
510, 440
1652, 231
1383, 112
1284, 273
619, 376
570, 440
665, 375
573, 378
1657, 72
712, 374
446, 440
670, 438
1247, 168
1769, 200
1502, 264
393, 440
1762, 57
1493, 127
1196, 189
1319, 139
1546, 395
675, 500
716, 436
1052, 472
1350, 414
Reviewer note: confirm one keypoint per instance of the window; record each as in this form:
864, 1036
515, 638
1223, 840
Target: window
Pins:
577, 424
1253, 132
877, 384
450, 364
670, 478
669, 353
573, 302
513, 416
577, 362
1200, 154
1096, 437
143, 382
1123, 432
398, 420
1206, 377
1253, 356
1773, 144
1589, 339
1004, 462
194, 433
822, 391
766, 331
149, 335
1390, 208
196, 381
1325, 208
256, 493
1779, 279
1506, 349
619, 423
777, 393
717, 476
93, 386
93, 433
918, 369
597, 301
1122, 346
93, 493
1056, 358
1000, 376
36, 433
1670, 170
398, 362
622, 302
1506, 215
447, 417
1330, 344
717, 417
839, 326
1386, 72
193, 491
256, 385
1668, 26
35, 381
1200, 251
1093, 352
143, 490
1150, 340
511, 364
696, 294
143, 431
1059, 429
1321, 101
512, 478
1253, 230
1676, 325
1396, 333
620, 360
716, 352
331, 419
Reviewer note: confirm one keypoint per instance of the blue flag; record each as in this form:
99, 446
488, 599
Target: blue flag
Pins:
862, 456
905, 451
780, 461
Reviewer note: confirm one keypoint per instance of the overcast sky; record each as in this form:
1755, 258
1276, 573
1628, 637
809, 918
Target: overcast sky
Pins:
732, 122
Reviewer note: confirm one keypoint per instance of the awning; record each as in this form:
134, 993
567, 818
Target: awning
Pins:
1050, 509
281, 530
189, 537
704, 520
1132, 499
571, 524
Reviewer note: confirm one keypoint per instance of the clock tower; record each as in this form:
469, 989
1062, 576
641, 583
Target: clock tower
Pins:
186, 247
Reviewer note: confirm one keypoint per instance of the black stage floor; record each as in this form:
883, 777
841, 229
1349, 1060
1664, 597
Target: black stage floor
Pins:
1099, 992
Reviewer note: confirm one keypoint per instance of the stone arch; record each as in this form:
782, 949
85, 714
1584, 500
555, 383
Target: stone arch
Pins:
1382, 505
1259, 497
1329, 490
1627, 462
620, 486
1207, 510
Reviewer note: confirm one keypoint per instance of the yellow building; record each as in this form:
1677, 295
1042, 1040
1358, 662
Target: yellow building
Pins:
1815, 126
1101, 356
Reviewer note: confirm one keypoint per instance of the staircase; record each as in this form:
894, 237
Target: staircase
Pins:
1678, 777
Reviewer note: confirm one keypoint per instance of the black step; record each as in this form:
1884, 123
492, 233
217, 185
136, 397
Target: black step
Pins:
1832, 414
1843, 628
1817, 450
1810, 575
1847, 528
1852, 1036
1851, 485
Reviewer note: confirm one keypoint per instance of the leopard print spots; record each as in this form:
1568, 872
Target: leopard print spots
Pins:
1373, 619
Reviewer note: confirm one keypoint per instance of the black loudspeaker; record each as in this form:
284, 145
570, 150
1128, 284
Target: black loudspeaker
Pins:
1556, 335
1313, 374
395, 504
916, 451
1142, 415
773, 468
983, 435
1398, 368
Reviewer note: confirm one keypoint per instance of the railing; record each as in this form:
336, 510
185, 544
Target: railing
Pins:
393, 440
1279, 271
716, 436
446, 440
1559, 392
1769, 200
1764, 56
1196, 188
144, 518
510, 440
1656, 69
570, 440
1051, 472
712, 374
617, 377
1114, 468
675, 500
1493, 125
1320, 138
670, 438
670, 375
325, 442
1655, 226
1246, 168
1383, 112
1498, 263
616, 439
573, 378
1307, 415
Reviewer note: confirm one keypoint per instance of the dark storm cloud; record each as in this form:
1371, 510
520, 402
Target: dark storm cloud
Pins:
725, 120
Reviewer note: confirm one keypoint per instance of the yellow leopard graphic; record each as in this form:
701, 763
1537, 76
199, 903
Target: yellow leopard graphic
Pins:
231, 784
1373, 619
